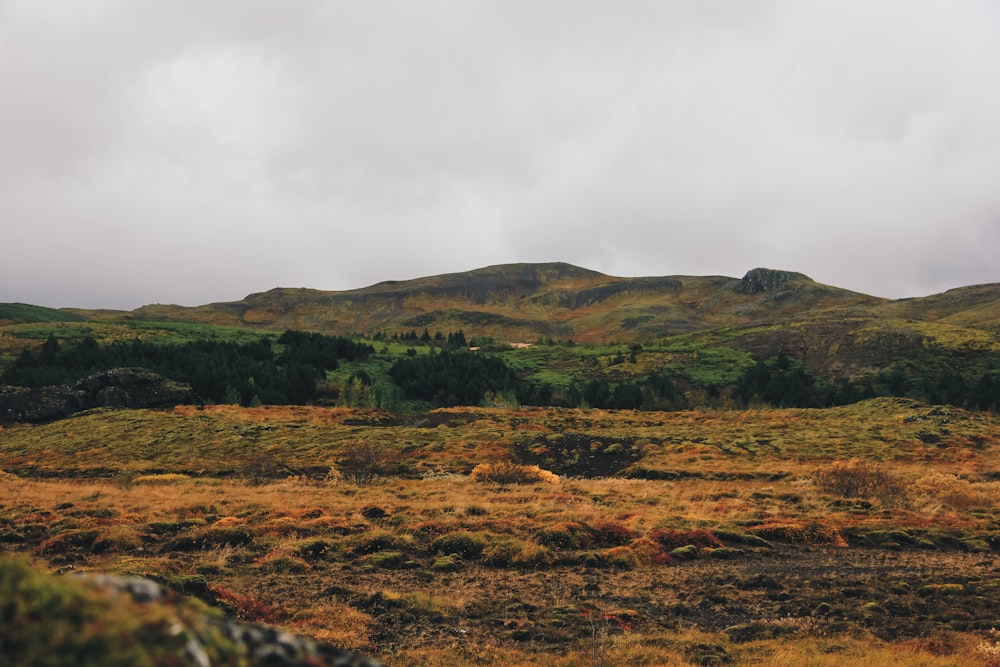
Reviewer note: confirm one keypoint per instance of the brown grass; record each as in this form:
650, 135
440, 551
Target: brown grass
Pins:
578, 572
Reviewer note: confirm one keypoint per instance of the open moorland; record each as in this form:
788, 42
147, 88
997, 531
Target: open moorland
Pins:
858, 535
519, 465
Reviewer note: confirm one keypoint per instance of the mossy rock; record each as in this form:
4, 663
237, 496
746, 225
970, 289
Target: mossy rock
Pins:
450, 563
687, 552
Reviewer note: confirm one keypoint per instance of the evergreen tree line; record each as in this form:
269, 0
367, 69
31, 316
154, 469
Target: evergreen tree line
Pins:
452, 340
450, 378
291, 373
454, 378
218, 371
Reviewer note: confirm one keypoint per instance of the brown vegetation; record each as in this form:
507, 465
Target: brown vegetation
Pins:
826, 537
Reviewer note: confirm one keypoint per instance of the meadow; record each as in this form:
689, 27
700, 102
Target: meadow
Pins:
857, 535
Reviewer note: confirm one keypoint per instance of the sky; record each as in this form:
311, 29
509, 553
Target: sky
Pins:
189, 152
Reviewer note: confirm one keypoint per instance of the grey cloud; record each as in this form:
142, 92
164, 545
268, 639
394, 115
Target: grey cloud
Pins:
193, 152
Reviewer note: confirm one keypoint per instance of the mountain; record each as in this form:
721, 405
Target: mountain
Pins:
516, 302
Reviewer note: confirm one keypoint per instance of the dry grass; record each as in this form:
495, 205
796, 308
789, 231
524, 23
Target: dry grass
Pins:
737, 538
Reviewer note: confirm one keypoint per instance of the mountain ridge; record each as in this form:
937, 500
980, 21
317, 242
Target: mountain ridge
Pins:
530, 301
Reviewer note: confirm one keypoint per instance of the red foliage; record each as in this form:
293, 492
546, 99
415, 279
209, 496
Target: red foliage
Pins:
612, 534
670, 539
243, 607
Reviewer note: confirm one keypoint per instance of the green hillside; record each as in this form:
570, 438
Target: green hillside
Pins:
550, 334
22, 313
524, 302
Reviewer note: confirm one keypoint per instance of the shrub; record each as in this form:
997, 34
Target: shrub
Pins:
612, 534
621, 558
533, 556
502, 552
390, 560
508, 472
313, 549
262, 466
812, 533
450, 563
224, 533
568, 535
672, 539
466, 545
649, 552
382, 541
363, 462
282, 563
858, 479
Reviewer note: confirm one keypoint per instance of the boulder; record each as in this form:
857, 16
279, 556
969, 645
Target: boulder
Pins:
129, 388
37, 404
132, 388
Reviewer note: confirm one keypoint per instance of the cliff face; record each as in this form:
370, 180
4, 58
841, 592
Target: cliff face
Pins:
117, 388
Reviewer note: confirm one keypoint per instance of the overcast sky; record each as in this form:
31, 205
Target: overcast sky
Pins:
184, 151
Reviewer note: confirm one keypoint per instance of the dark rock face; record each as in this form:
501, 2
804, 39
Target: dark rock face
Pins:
37, 404
130, 388
764, 280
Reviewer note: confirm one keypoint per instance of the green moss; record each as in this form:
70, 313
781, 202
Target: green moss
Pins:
54, 621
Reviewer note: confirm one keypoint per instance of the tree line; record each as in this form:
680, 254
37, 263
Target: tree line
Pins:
292, 368
218, 371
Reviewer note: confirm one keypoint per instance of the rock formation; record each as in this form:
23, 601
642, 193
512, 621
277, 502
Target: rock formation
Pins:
115, 388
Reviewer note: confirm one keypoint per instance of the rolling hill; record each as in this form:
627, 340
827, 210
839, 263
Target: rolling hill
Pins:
531, 301
835, 333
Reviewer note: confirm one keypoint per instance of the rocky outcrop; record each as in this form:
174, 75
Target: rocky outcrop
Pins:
262, 645
764, 280
117, 388
33, 405
132, 388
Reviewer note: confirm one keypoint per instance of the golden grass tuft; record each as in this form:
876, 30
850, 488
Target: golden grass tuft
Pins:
508, 472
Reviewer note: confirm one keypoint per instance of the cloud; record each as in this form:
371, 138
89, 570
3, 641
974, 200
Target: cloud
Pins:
193, 152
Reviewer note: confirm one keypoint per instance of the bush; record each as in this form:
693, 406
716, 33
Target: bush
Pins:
466, 545
450, 563
857, 479
508, 472
363, 462
502, 552
811, 533
672, 539
567, 535
612, 534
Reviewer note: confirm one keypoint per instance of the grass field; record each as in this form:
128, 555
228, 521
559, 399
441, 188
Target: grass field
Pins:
861, 535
